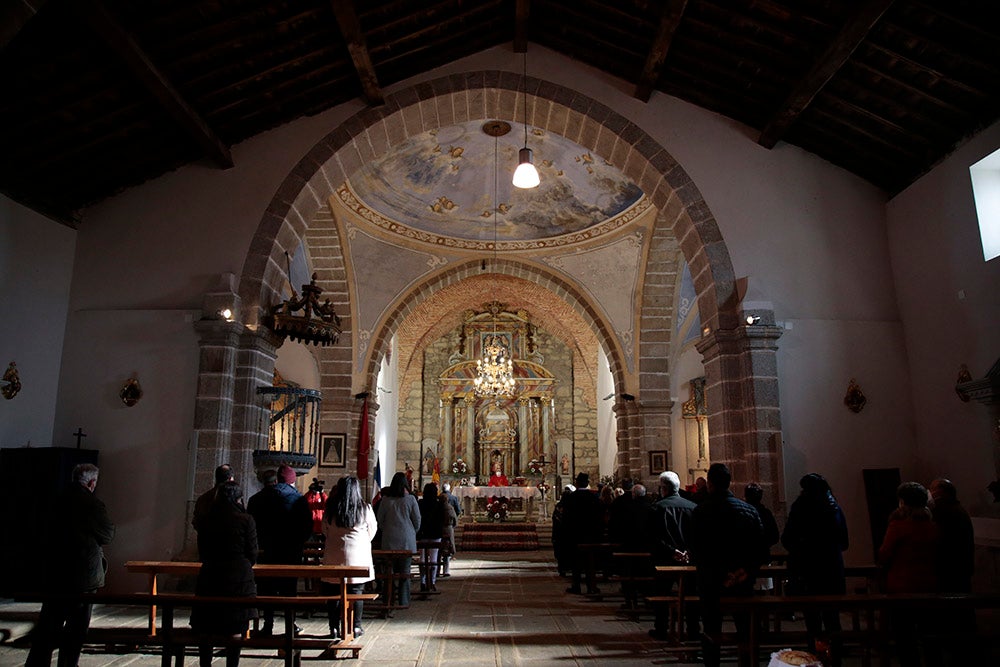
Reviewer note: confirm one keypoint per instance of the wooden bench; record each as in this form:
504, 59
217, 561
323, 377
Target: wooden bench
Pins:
871, 636
594, 554
683, 572
172, 640
387, 579
633, 571
153, 569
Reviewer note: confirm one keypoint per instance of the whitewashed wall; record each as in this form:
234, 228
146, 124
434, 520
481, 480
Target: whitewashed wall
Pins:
36, 264
936, 253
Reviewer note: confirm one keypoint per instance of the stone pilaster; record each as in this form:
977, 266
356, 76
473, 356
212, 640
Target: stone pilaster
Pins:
741, 392
254, 368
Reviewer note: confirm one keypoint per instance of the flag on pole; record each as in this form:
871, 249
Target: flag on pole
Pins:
363, 444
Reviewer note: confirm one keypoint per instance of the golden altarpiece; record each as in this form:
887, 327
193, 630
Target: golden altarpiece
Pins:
504, 433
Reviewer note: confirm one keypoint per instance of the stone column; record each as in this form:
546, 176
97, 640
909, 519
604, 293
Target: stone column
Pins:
470, 435
448, 403
630, 463
254, 368
546, 408
213, 413
741, 392
523, 435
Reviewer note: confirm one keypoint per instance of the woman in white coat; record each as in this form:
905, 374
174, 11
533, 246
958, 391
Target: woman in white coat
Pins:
349, 525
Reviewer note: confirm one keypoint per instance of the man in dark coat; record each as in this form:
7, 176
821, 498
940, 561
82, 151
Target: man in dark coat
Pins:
583, 525
284, 522
955, 566
726, 548
78, 567
224, 473
227, 546
670, 534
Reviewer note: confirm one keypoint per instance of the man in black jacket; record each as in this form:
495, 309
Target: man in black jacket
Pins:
670, 533
78, 566
583, 525
726, 547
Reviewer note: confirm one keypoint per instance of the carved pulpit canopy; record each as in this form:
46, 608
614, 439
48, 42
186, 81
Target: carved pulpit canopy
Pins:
985, 390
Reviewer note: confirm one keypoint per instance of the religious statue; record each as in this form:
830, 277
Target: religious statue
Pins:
498, 478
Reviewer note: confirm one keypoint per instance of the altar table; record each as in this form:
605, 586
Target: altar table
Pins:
468, 494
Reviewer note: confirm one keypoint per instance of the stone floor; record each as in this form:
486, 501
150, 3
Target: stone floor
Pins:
497, 609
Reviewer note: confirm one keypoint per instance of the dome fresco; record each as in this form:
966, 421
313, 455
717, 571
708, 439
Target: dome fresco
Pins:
440, 183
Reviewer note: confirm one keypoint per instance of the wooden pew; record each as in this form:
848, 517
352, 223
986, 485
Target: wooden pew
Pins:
384, 575
153, 569
596, 557
779, 573
634, 571
873, 635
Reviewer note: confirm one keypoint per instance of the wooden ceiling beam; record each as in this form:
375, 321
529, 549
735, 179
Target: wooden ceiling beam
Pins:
121, 42
350, 28
673, 12
522, 10
14, 15
836, 54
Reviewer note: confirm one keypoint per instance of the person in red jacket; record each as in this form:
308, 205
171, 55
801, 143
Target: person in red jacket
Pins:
909, 555
316, 499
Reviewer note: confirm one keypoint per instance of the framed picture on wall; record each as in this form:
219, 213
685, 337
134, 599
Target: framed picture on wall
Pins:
657, 461
331, 450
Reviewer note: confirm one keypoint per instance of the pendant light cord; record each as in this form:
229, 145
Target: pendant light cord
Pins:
496, 206
524, 91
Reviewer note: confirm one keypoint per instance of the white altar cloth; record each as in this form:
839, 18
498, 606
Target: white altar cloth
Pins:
464, 492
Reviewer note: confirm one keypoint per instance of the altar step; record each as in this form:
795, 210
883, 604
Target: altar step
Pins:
503, 536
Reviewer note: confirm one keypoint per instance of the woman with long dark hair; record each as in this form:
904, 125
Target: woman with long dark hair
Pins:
399, 517
349, 525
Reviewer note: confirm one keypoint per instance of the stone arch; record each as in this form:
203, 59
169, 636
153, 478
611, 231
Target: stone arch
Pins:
684, 216
372, 132
407, 304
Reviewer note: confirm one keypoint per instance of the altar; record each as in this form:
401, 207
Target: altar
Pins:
474, 498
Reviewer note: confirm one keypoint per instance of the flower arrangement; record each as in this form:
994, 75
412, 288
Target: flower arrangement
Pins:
534, 467
459, 467
497, 509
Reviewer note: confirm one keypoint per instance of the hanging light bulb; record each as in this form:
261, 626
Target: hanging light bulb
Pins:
525, 176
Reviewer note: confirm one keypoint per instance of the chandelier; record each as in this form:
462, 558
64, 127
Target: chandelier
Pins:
495, 370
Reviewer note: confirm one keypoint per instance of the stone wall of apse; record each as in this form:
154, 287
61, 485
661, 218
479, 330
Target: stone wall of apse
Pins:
574, 419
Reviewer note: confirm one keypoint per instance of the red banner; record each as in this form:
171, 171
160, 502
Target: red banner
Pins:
363, 442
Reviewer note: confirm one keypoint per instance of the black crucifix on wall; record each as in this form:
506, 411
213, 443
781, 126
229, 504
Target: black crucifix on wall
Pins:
79, 436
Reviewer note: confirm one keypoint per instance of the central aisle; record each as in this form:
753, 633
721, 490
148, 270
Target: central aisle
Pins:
508, 609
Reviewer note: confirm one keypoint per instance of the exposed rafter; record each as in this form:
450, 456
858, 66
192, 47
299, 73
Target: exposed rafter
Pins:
822, 71
350, 28
121, 42
673, 12
521, 12
14, 15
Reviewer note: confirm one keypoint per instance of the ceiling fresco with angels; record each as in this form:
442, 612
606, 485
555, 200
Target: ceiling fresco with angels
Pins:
439, 185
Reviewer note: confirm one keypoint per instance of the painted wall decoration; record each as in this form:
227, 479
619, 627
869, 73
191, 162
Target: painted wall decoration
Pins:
440, 182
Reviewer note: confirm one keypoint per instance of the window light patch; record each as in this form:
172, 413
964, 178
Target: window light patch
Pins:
986, 192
